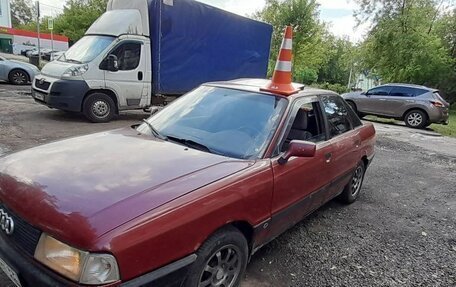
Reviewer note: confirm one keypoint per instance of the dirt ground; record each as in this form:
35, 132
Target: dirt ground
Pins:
401, 232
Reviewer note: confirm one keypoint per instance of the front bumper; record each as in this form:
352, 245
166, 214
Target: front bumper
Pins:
64, 95
31, 273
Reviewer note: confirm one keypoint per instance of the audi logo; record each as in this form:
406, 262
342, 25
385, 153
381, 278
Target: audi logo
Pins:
6, 222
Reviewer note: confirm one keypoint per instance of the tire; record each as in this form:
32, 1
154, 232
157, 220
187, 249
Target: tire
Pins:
99, 108
416, 119
216, 265
353, 188
18, 77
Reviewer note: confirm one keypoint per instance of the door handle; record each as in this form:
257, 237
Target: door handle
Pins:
328, 157
140, 76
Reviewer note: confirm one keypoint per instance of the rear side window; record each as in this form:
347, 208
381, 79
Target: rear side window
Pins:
406, 92
337, 114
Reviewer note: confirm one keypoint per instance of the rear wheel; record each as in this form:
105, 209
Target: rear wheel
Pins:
416, 119
99, 108
353, 188
221, 261
18, 77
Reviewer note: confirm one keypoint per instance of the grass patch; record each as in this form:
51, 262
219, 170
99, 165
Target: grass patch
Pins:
449, 130
380, 120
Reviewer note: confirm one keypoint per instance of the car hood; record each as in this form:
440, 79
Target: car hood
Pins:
351, 95
81, 188
57, 68
24, 65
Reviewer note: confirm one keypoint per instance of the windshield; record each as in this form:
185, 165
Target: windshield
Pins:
229, 122
86, 49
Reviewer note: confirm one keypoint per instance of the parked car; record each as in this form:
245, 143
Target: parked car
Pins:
16, 72
187, 196
417, 106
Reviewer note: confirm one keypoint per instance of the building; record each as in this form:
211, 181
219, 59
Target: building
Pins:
15, 41
5, 13
366, 81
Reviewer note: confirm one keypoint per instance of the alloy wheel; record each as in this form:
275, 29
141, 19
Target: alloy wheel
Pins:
415, 119
19, 78
357, 180
222, 269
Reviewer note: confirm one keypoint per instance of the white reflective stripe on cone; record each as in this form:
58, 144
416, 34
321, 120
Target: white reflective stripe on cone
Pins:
287, 44
283, 66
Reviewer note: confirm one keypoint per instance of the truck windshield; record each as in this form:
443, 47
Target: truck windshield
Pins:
86, 49
228, 122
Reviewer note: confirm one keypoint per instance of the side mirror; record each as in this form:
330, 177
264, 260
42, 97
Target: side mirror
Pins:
113, 63
298, 149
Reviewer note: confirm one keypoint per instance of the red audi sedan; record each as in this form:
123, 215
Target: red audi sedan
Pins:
184, 198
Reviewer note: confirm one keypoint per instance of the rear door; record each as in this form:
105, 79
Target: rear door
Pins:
345, 140
398, 100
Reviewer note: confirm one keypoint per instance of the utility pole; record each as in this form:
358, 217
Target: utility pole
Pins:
38, 30
51, 27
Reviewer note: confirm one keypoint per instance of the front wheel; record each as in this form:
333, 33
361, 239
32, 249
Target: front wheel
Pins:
416, 119
99, 108
353, 188
221, 261
18, 77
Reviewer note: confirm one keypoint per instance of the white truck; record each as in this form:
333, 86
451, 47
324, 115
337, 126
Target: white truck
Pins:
142, 53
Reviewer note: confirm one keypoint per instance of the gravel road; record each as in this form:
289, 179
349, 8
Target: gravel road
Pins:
401, 232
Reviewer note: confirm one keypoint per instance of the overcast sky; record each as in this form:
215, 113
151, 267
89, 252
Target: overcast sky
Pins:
339, 13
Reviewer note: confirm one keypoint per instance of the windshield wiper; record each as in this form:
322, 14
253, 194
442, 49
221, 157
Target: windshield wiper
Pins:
154, 131
193, 144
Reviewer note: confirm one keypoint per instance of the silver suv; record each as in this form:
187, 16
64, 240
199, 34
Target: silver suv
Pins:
417, 106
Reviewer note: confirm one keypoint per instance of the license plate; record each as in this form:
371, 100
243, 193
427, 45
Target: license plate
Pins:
10, 273
39, 96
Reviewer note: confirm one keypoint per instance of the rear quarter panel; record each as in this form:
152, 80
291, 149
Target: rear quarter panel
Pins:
368, 138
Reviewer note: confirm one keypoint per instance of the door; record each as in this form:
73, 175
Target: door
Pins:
300, 185
345, 141
129, 81
399, 99
374, 101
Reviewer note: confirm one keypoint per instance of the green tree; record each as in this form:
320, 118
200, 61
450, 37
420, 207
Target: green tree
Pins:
403, 44
308, 49
22, 12
78, 16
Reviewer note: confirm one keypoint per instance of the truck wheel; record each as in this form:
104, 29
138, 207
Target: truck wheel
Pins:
18, 77
99, 108
416, 119
353, 188
221, 261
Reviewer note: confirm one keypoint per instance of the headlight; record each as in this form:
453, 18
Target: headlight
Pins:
76, 71
77, 265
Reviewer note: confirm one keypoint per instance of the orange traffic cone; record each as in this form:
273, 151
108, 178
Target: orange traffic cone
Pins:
281, 79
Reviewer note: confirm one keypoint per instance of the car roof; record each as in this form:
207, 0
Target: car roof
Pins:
254, 85
409, 86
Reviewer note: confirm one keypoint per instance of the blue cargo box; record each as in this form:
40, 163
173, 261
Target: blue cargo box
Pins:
193, 43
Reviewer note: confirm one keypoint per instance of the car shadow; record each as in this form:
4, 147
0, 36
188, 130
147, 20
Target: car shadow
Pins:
402, 125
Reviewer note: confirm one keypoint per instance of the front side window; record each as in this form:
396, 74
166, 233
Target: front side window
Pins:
228, 122
128, 56
337, 115
306, 125
379, 91
86, 49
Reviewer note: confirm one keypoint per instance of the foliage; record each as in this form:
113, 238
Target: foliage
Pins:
404, 44
338, 88
22, 12
450, 129
77, 17
305, 75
